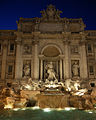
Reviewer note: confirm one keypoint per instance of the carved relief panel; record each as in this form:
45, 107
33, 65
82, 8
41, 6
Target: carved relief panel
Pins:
11, 48
26, 68
27, 28
74, 49
27, 49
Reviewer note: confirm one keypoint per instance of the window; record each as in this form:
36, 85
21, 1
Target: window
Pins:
89, 48
10, 67
10, 70
91, 69
11, 47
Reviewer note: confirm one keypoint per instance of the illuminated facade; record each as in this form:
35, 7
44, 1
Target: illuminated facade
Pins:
25, 52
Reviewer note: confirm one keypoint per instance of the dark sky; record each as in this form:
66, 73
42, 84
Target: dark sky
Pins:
11, 10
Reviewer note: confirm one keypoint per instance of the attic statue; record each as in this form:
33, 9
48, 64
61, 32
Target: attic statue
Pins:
51, 14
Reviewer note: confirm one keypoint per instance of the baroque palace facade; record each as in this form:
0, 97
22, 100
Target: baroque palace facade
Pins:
60, 42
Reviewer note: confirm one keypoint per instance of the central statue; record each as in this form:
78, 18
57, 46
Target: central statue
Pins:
50, 71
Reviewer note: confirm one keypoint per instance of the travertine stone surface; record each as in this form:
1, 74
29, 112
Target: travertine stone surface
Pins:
49, 38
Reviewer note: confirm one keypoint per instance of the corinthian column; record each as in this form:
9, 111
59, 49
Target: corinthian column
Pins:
41, 69
95, 51
36, 61
83, 61
66, 61
60, 69
18, 65
4, 56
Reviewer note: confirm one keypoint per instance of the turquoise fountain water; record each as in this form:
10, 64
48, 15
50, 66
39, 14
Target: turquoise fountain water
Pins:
47, 114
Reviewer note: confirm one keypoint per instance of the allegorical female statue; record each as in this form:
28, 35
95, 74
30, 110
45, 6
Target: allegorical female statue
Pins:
27, 70
75, 69
50, 71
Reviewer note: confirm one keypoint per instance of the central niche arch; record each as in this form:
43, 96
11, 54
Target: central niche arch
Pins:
51, 51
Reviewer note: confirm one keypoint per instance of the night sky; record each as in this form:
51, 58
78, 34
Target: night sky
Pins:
12, 10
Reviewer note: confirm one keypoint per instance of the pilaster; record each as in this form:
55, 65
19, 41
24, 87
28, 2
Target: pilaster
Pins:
95, 51
36, 59
66, 60
60, 69
41, 69
83, 61
3, 73
18, 65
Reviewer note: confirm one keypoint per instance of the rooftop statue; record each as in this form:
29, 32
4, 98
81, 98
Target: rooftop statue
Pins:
51, 14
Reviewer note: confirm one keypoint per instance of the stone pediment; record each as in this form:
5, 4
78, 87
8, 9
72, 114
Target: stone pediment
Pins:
50, 14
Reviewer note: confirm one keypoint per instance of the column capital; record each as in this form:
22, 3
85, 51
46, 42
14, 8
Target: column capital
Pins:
61, 57
18, 41
66, 35
82, 42
41, 57
5, 43
35, 41
83, 36
66, 42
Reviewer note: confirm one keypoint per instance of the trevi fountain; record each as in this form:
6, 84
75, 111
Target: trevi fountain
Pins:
50, 95
49, 72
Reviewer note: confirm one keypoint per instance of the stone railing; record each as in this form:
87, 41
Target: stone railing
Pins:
6, 33
79, 20
91, 32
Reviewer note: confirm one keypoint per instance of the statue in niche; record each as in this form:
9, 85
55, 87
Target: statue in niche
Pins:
27, 69
75, 69
50, 71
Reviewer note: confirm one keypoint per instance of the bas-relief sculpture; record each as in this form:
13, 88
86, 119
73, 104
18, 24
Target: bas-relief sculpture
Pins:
27, 49
74, 49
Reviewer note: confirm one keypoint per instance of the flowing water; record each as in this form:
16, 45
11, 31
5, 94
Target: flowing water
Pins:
47, 114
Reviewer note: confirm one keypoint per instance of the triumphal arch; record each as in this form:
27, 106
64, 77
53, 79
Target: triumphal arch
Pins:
48, 47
